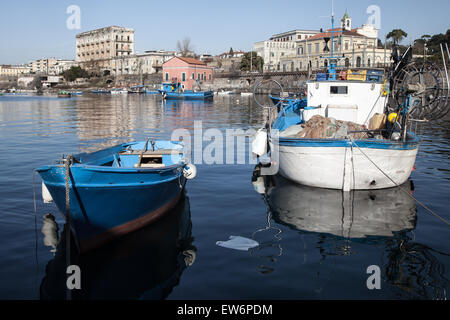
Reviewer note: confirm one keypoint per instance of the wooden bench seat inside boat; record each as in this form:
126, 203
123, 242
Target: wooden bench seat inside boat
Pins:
150, 152
148, 158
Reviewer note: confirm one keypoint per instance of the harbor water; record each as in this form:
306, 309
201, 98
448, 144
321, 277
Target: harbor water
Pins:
313, 243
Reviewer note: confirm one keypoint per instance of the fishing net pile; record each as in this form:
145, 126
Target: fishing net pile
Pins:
319, 127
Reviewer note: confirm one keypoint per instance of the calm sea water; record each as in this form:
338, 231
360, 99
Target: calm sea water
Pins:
314, 243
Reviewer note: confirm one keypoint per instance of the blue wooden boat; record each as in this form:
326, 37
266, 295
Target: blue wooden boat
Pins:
100, 91
119, 189
176, 91
278, 101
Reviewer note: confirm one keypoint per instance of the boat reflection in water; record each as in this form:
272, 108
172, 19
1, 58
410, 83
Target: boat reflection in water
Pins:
338, 222
146, 264
357, 214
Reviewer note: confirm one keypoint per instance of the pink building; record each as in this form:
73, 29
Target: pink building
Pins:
187, 71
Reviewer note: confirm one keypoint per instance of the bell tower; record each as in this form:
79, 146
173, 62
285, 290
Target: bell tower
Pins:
346, 22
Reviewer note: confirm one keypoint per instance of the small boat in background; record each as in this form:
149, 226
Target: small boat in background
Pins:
119, 91
64, 94
100, 91
78, 93
176, 91
117, 190
223, 92
140, 89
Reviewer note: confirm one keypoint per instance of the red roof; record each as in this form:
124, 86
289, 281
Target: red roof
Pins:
336, 33
192, 61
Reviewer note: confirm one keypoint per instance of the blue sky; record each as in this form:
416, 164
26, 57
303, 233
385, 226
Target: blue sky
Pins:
37, 29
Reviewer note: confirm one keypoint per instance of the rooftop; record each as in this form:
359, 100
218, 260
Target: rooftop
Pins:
104, 29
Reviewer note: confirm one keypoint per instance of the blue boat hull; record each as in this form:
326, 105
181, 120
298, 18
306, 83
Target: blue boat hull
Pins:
107, 202
188, 95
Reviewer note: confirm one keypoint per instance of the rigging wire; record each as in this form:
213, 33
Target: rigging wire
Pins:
420, 203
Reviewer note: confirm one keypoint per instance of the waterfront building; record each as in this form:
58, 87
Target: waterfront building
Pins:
51, 66
279, 46
135, 64
14, 70
104, 43
62, 65
44, 66
188, 71
294, 51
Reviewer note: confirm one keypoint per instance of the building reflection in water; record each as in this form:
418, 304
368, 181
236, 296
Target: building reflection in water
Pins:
103, 121
146, 264
383, 218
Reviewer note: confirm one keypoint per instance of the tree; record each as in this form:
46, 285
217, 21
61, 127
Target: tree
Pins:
73, 73
184, 46
397, 35
231, 53
251, 58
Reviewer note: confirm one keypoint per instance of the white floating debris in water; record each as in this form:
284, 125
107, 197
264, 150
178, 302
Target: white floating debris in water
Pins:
238, 243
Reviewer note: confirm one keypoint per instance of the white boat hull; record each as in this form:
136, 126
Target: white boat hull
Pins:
345, 168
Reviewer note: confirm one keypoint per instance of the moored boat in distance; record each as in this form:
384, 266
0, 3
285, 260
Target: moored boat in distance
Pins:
119, 91
117, 190
172, 90
64, 94
100, 91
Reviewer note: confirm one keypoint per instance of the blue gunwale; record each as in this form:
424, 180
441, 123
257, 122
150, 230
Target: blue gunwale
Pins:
410, 144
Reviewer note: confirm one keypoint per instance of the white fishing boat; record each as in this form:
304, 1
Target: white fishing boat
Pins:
347, 134
119, 91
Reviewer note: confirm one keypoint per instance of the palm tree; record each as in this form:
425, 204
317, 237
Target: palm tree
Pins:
397, 35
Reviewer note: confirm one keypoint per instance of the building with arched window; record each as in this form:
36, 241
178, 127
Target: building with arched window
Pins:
354, 47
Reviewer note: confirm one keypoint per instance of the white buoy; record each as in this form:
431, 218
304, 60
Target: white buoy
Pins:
190, 171
259, 186
259, 144
46, 196
50, 232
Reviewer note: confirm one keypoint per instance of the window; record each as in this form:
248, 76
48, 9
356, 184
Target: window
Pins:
193, 76
346, 45
209, 76
300, 51
202, 76
167, 76
317, 47
338, 89
198, 76
309, 48
183, 76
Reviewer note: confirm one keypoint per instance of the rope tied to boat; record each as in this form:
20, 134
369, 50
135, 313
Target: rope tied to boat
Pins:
67, 163
397, 185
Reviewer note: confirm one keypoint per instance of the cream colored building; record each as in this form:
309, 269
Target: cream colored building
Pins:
140, 63
51, 66
356, 47
43, 65
296, 50
104, 43
14, 70
279, 46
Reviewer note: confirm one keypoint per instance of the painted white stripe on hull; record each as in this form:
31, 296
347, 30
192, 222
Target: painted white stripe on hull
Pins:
345, 168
